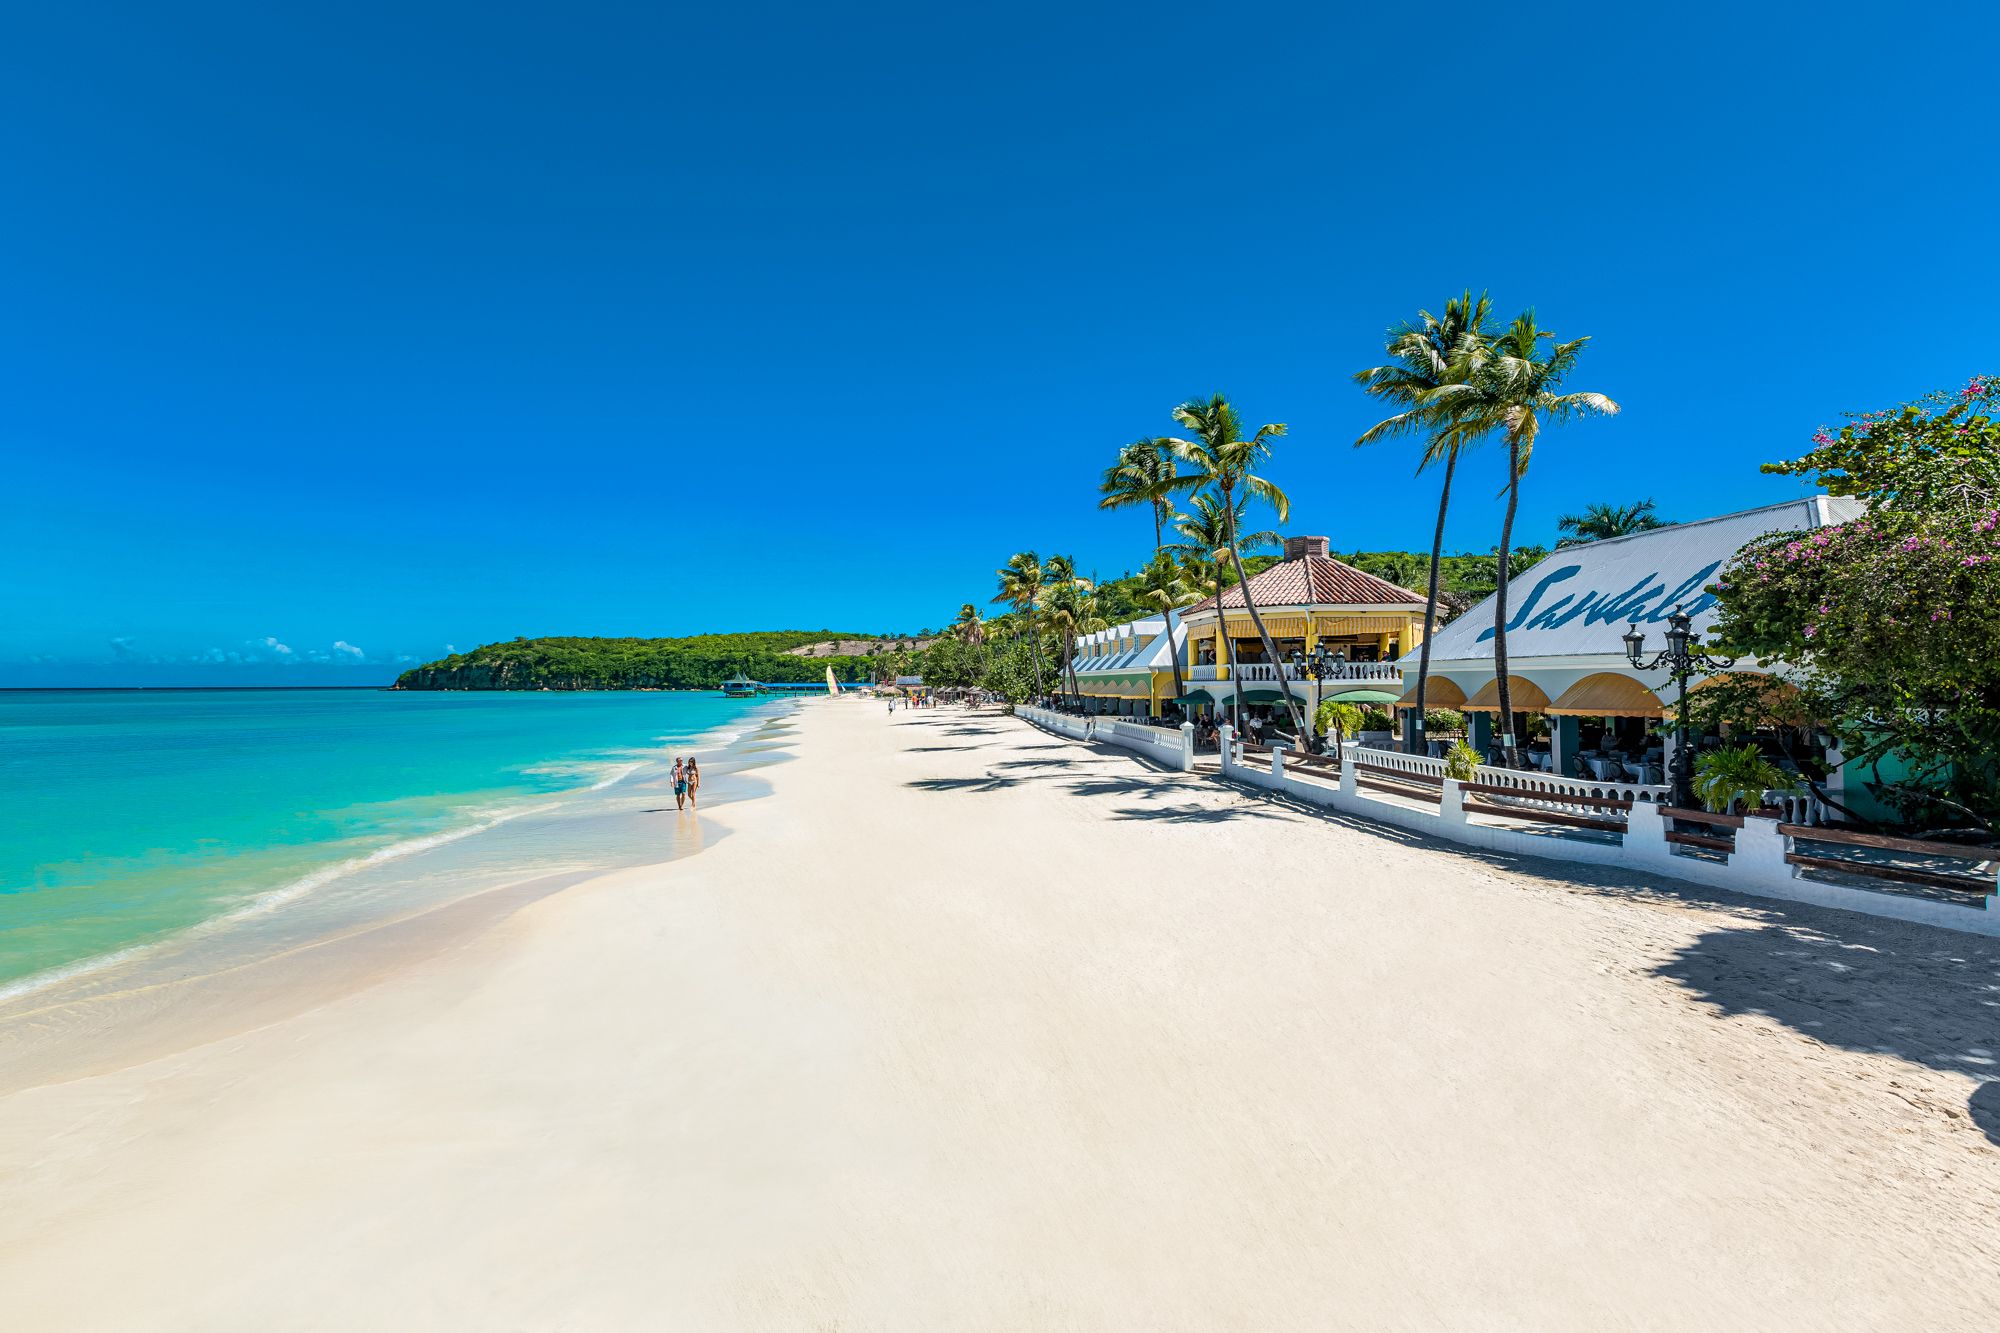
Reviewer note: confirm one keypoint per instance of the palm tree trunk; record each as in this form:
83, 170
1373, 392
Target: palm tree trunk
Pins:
1250, 605
1510, 749
1431, 599
1035, 649
1174, 657
1228, 647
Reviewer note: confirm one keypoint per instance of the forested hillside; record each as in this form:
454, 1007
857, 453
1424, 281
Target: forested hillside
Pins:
698, 661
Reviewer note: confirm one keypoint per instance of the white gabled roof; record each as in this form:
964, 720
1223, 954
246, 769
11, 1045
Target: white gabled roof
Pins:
1578, 601
1138, 645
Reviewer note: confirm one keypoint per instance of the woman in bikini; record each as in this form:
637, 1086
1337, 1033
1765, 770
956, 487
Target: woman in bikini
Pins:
693, 780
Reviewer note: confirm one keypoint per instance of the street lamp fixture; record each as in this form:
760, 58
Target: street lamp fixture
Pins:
1319, 665
1681, 658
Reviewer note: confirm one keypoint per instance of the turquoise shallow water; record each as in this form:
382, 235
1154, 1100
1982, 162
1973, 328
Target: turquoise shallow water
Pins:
126, 817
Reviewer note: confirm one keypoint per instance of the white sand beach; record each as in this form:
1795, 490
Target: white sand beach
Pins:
967, 1027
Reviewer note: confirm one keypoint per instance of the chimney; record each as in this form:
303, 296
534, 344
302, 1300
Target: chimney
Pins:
1298, 548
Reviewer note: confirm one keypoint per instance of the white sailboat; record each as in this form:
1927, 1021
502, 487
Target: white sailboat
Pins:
832, 685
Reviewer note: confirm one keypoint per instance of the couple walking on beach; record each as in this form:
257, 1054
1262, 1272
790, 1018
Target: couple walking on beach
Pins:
687, 782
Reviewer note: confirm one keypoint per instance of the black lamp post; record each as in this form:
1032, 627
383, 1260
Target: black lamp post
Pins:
1681, 657
1320, 665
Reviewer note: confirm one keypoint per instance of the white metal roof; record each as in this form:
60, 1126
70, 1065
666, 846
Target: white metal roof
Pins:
1578, 601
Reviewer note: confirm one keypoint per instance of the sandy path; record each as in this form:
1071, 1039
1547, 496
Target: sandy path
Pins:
971, 1028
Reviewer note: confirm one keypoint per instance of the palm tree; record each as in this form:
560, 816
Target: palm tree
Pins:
1021, 584
1338, 720
969, 626
1600, 521
1225, 462
1164, 587
1072, 612
1514, 392
1209, 536
1427, 356
1141, 476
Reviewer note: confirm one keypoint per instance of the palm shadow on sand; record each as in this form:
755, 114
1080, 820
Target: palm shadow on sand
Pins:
1928, 996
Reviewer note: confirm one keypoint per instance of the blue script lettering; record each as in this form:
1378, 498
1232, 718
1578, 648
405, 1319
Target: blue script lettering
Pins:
1527, 607
1648, 600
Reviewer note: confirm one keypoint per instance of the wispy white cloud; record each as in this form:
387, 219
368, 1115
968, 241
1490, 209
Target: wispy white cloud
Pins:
451, 648
271, 645
125, 649
346, 649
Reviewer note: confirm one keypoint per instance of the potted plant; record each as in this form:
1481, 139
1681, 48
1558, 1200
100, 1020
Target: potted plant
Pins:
1376, 727
1337, 720
1725, 777
1462, 762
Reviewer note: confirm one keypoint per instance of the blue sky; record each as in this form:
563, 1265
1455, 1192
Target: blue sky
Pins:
368, 329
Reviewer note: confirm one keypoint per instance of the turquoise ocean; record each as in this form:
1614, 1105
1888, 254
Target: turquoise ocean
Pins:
139, 824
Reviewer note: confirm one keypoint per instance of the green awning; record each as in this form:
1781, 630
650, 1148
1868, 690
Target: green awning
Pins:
1263, 696
1366, 697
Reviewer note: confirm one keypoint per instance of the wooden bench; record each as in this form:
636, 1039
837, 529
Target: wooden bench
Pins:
1982, 887
1702, 840
1541, 816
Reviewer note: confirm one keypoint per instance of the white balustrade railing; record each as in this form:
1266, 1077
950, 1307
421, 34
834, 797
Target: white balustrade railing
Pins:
1204, 671
1271, 673
1421, 765
1537, 787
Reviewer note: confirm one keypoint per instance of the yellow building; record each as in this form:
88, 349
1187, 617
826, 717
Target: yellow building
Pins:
1307, 601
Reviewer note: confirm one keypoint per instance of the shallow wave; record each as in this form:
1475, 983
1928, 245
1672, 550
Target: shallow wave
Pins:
482, 820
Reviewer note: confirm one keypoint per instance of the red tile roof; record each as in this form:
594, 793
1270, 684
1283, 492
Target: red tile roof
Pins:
1314, 580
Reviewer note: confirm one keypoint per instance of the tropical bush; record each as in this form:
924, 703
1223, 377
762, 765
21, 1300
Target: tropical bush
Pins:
1377, 719
1337, 719
1724, 777
1438, 720
1461, 761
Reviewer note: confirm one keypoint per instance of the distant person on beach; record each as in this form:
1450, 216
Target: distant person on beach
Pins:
693, 781
680, 786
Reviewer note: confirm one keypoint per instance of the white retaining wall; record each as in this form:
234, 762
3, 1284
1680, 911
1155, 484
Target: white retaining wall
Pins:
1757, 866
1171, 746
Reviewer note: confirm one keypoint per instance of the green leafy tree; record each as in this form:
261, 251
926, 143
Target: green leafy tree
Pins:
1517, 391
1425, 357
951, 662
1936, 457
1223, 460
1890, 625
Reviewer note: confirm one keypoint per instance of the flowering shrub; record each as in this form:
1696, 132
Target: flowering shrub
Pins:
1894, 619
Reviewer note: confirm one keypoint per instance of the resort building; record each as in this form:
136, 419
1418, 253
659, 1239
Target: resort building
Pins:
1568, 672
1307, 601
1126, 670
